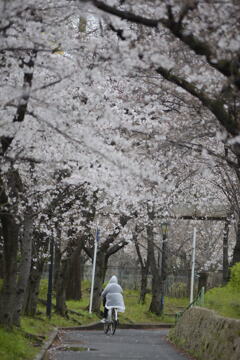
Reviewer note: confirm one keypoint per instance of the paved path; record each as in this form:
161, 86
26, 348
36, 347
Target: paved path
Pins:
125, 344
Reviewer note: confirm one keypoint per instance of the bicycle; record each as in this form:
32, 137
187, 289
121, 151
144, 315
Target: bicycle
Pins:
112, 321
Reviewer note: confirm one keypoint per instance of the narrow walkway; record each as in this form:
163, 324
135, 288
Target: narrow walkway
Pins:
125, 344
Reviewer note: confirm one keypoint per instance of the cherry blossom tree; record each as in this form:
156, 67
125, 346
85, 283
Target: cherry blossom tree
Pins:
120, 103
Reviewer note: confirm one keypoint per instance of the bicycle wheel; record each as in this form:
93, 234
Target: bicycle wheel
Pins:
106, 327
113, 325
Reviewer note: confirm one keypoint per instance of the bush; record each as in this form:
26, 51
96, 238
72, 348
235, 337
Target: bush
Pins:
225, 300
234, 282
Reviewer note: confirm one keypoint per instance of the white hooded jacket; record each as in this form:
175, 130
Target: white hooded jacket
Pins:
113, 294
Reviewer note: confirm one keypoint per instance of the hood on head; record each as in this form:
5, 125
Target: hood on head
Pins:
113, 280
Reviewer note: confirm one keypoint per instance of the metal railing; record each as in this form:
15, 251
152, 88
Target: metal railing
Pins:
198, 301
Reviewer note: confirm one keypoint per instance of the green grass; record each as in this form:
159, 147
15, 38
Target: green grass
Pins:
224, 300
14, 346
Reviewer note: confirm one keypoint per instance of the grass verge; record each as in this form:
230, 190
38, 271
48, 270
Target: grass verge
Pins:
14, 346
224, 300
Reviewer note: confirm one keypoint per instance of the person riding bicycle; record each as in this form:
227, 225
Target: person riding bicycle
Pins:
112, 297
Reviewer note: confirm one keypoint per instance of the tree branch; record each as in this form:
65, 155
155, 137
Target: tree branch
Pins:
112, 250
199, 148
229, 68
125, 15
215, 106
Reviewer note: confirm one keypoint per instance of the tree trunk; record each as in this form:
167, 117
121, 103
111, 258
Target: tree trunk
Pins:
57, 265
157, 291
40, 248
236, 251
144, 263
61, 284
10, 249
157, 280
1, 257
143, 290
31, 298
101, 268
225, 253
73, 290
82, 268
1, 267
24, 268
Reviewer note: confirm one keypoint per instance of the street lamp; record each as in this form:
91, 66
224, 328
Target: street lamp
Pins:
164, 230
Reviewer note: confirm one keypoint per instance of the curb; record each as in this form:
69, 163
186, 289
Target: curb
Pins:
46, 346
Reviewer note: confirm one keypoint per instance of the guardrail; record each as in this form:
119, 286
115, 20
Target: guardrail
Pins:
198, 301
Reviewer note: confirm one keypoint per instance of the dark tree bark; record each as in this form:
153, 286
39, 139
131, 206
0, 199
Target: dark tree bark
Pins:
225, 252
144, 264
16, 277
11, 302
61, 286
63, 269
40, 245
158, 265
28, 65
1, 254
101, 268
10, 232
143, 289
236, 250
73, 290
24, 268
157, 281
31, 298
1, 266
57, 265
157, 292
10, 250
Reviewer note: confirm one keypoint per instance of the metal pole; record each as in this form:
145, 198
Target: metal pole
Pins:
193, 265
50, 276
93, 271
163, 271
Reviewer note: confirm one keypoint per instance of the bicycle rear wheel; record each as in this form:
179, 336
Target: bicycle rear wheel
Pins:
106, 327
113, 325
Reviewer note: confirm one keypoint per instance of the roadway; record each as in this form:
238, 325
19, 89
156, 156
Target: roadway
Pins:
127, 344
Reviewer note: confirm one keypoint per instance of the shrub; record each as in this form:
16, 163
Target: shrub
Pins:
234, 282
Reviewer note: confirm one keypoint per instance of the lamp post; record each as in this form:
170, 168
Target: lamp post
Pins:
164, 231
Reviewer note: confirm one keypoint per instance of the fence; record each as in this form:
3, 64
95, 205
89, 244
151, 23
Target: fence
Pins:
176, 285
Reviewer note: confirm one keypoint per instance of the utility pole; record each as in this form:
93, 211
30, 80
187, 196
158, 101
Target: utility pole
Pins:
193, 264
93, 270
